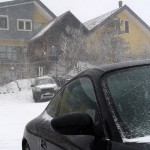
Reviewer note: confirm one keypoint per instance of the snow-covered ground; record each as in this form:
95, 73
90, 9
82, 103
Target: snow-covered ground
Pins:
17, 108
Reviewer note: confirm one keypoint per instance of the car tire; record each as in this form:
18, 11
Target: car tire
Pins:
36, 98
26, 146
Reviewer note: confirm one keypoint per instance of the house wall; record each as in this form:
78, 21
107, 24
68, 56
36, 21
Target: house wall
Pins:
39, 20
24, 11
13, 42
138, 38
92, 40
11, 72
51, 41
39, 17
6, 42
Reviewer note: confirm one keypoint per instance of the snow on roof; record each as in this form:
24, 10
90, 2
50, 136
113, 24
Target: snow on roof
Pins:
46, 28
44, 77
98, 20
12, 3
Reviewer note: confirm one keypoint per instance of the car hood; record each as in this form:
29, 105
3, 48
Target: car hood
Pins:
145, 139
139, 146
140, 142
128, 146
44, 86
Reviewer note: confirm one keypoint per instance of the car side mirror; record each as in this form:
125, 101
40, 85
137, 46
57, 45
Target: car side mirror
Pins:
73, 124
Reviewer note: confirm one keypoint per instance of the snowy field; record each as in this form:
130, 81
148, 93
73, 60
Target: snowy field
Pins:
16, 110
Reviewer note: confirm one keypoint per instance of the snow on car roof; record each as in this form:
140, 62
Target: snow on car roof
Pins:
44, 77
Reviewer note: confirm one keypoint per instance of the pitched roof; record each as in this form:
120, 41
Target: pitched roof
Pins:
98, 20
47, 27
94, 23
53, 23
20, 2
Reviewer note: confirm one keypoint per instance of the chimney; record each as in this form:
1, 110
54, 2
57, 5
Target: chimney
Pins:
120, 4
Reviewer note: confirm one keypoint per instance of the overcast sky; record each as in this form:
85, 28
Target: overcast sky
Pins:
88, 9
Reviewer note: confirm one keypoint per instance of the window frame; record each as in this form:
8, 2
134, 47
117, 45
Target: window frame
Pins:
56, 113
126, 27
24, 24
11, 53
117, 25
123, 129
5, 16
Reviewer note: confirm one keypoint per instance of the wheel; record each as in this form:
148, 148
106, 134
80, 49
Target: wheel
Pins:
26, 146
36, 98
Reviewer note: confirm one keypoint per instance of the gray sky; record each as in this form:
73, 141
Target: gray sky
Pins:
88, 9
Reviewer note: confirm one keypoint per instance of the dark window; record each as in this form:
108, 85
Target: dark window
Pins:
54, 106
21, 25
24, 25
16, 54
130, 91
79, 96
126, 26
28, 25
3, 22
117, 25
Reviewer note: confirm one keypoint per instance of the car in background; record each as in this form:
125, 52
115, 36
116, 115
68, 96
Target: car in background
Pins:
106, 108
44, 88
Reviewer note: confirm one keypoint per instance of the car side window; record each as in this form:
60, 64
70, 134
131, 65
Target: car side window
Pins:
53, 107
79, 96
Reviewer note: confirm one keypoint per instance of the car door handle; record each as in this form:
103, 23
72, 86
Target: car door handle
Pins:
43, 145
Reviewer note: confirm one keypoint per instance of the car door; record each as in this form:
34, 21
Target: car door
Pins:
77, 96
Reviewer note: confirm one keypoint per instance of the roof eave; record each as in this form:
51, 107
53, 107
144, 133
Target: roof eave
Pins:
116, 13
58, 19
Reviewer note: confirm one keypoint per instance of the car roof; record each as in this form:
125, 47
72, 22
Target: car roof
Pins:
127, 64
115, 66
44, 77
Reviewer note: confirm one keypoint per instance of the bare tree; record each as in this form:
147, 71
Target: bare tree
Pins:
113, 48
72, 50
109, 46
144, 52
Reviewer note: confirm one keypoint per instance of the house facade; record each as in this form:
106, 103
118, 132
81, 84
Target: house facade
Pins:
45, 46
127, 26
31, 36
19, 22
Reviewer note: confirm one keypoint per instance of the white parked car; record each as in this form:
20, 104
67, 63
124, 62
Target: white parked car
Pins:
44, 88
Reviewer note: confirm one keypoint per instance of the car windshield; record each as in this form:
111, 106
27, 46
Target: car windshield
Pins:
44, 81
129, 94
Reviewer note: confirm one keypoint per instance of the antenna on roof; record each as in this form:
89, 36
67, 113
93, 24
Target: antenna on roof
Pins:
120, 4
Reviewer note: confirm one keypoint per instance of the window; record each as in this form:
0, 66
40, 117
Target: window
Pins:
8, 53
117, 25
3, 22
24, 25
126, 25
28, 25
77, 96
54, 106
129, 90
21, 25
40, 71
